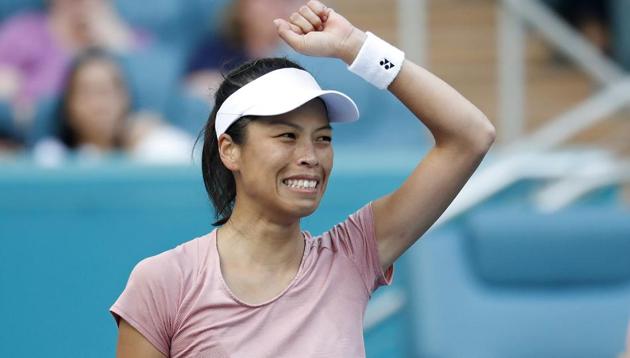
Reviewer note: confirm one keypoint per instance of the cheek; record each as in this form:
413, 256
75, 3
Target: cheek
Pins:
78, 111
327, 159
263, 162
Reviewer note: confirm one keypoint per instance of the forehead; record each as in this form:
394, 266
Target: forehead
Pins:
311, 115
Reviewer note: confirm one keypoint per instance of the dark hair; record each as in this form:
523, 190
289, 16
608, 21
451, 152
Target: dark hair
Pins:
66, 133
219, 180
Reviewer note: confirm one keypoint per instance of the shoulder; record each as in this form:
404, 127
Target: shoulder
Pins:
357, 225
176, 267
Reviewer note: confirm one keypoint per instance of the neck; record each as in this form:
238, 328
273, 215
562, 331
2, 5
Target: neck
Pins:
256, 239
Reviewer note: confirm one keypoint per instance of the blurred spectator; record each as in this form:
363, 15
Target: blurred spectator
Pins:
604, 23
36, 47
95, 117
620, 28
248, 32
591, 18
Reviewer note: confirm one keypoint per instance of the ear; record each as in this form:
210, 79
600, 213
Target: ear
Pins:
229, 152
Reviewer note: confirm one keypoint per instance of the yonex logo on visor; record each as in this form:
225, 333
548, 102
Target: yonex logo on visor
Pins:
279, 92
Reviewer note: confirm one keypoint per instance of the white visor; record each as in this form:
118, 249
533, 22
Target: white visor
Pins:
279, 92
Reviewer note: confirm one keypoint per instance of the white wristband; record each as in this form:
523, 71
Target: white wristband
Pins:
377, 62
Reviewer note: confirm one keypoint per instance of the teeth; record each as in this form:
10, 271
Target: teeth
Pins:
301, 184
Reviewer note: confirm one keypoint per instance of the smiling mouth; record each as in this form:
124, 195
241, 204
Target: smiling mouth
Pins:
301, 184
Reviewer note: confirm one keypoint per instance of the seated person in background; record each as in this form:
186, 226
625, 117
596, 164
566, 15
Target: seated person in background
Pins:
248, 32
590, 18
95, 117
37, 47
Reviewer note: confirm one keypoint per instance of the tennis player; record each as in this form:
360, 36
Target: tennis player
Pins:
257, 286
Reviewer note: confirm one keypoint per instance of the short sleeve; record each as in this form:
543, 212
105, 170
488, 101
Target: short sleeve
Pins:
150, 300
357, 239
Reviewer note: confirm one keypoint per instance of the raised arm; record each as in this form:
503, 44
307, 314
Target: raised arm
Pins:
462, 133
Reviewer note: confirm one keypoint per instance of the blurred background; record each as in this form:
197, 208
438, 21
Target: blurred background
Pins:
101, 102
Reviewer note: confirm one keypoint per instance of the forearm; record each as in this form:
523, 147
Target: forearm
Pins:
450, 117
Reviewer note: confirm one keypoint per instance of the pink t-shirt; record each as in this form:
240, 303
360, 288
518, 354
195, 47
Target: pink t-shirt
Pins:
179, 301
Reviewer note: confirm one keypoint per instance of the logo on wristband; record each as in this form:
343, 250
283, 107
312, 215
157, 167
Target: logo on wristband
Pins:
386, 64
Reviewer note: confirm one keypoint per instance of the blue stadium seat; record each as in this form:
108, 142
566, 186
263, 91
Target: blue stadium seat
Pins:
511, 283
153, 76
44, 122
177, 23
188, 113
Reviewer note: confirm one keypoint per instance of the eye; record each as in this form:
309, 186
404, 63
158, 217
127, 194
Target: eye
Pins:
287, 135
325, 138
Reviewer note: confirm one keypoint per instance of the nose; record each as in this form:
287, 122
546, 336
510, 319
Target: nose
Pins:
307, 155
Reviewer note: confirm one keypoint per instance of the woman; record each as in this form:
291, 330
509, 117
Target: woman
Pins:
95, 104
257, 286
95, 116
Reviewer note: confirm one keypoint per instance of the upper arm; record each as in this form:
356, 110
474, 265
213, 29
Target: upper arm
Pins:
133, 344
401, 217
150, 302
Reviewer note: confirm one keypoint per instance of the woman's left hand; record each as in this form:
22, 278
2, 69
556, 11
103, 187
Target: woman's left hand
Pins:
317, 30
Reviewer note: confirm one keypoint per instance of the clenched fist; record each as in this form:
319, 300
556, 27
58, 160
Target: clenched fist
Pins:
317, 30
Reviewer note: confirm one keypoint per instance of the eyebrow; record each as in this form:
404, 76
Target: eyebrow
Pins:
277, 122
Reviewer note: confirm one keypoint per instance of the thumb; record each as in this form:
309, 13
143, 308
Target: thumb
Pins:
290, 36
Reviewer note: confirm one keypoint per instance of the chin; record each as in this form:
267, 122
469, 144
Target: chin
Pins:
301, 210
307, 211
